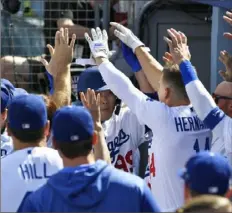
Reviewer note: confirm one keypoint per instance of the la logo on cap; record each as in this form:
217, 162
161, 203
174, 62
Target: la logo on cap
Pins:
74, 137
26, 126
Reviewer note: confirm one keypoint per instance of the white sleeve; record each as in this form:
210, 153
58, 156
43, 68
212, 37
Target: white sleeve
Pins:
147, 110
227, 133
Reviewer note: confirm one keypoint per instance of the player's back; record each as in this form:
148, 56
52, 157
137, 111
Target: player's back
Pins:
180, 136
24, 171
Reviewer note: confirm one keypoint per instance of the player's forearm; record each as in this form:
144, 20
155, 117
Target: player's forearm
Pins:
62, 86
100, 149
121, 86
151, 67
200, 98
144, 85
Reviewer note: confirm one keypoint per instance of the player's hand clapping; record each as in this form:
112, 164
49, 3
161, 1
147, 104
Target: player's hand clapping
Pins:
178, 46
226, 59
62, 54
92, 102
228, 18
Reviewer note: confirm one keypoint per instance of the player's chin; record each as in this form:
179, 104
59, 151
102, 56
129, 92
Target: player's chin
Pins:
105, 114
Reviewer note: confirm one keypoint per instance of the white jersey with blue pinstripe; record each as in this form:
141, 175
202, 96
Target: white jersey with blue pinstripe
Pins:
178, 134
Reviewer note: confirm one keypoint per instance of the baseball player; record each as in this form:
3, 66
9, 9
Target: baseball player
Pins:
31, 164
6, 141
203, 103
8, 91
124, 134
178, 132
86, 185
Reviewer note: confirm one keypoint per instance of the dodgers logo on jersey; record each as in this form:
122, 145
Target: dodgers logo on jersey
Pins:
114, 146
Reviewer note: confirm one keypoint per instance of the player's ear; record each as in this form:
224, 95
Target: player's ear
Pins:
95, 138
47, 128
8, 129
167, 93
187, 193
230, 107
4, 115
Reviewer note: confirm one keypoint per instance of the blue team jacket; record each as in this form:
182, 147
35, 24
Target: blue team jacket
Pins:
96, 187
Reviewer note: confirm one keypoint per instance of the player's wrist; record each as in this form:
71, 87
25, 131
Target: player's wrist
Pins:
100, 60
136, 44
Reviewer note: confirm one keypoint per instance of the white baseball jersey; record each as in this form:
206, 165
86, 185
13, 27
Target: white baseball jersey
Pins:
215, 118
178, 134
6, 144
24, 171
124, 134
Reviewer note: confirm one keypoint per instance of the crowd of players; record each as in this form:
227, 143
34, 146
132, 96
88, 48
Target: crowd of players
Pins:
58, 156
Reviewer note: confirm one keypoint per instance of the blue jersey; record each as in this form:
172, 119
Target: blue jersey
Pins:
89, 188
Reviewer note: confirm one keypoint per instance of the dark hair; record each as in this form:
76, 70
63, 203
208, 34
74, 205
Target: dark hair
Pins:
76, 148
172, 76
28, 136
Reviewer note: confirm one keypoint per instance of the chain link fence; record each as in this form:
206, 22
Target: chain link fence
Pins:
25, 33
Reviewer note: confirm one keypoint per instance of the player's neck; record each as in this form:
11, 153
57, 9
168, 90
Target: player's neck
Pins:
89, 159
18, 145
179, 103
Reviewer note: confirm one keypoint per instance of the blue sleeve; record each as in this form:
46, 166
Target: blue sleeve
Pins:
188, 72
28, 205
148, 203
51, 82
130, 58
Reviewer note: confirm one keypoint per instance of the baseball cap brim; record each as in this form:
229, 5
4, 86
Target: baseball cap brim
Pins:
104, 88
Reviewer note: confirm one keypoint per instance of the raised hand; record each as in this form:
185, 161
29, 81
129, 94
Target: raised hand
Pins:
228, 19
92, 102
99, 45
126, 36
178, 46
168, 60
62, 54
226, 59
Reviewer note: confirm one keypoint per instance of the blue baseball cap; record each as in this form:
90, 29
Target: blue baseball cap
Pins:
27, 112
91, 78
72, 124
207, 173
5, 98
13, 90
